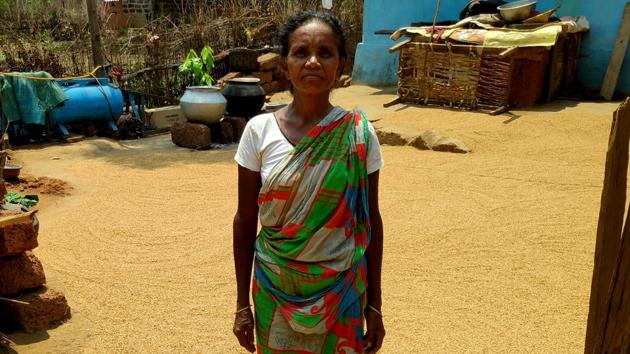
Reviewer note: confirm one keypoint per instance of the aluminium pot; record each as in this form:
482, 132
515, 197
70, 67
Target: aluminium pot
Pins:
203, 104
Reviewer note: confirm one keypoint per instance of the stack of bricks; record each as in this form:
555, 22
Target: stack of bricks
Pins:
200, 136
273, 77
26, 302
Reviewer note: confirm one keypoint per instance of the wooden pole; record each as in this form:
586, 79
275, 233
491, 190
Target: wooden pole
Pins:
95, 35
617, 330
435, 18
609, 229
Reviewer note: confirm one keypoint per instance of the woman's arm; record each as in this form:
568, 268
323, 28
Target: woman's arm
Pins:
374, 321
244, 236
375, 250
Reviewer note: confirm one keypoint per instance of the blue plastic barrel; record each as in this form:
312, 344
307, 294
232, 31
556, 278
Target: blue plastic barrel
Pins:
89, 100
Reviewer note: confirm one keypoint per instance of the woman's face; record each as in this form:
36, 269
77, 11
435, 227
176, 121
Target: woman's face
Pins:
313, 61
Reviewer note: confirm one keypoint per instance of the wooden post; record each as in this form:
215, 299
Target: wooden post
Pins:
435, 19
609, 229
616, 59
3, 187
617, 331
95, 35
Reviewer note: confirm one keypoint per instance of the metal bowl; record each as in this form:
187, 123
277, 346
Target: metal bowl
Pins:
518, 10
11, 172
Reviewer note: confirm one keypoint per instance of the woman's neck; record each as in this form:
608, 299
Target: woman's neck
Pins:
309, 108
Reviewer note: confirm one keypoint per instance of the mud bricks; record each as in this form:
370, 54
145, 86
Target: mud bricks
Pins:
19, 273
22, 279
45, 307
199, 136
273, 77
20, 236
190, 135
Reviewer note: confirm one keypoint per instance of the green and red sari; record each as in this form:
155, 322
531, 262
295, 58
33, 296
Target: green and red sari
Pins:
309, 267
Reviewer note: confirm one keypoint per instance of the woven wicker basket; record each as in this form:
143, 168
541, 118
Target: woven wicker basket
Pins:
467, 77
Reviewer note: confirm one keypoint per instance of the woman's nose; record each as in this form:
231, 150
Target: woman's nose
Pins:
312, 61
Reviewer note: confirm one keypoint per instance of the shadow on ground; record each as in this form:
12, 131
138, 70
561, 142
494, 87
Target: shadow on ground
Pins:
20, 338
153, 152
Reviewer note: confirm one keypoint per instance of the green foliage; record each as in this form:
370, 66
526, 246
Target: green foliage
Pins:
16, 198
199, 66
4, 7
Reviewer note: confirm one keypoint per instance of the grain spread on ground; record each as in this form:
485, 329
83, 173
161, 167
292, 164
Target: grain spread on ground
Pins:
488, 251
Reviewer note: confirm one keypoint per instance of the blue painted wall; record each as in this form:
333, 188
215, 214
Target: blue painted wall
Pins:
376, 66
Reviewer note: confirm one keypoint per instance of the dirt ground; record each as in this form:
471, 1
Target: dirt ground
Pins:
490, 251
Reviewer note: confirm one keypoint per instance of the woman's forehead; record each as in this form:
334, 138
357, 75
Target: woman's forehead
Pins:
312, 31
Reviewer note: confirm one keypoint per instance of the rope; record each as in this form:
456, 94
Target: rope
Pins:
85, 76
100, 86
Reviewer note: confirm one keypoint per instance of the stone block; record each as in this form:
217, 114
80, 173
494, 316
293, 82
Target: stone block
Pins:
45, 307
163, 117
243, 59
268, 61
279, 74
264, 76
18, 234
227, 132
270, 87
190, 135
238, 126
227, 77
20, 273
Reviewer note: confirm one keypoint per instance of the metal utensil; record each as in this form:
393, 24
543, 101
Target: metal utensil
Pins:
542, 17
517, 10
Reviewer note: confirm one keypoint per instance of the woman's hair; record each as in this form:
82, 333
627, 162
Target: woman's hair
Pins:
305, 17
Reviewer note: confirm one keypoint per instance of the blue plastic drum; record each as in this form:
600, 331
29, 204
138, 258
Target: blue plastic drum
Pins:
89, 100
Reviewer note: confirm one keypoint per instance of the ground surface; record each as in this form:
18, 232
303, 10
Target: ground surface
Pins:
485, 252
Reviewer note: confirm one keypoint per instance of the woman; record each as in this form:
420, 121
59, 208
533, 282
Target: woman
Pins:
310, 173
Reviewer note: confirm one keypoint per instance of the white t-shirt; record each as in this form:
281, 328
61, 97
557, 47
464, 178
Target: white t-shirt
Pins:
263, 146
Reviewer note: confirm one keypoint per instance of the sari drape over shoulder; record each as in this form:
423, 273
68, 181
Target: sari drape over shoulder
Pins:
310, 266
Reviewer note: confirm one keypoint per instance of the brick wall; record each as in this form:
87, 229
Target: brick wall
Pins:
138, 7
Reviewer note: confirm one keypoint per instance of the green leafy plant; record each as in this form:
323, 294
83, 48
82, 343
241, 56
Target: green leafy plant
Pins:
199, 65
16, 198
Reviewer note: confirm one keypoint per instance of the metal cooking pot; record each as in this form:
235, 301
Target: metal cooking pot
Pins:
245, 97
518, 10
203, 104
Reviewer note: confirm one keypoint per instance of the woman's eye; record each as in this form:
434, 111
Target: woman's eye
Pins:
300, 53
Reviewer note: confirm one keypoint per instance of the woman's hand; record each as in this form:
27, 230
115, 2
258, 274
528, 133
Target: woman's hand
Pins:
244, 329
373, 339
244, 236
